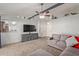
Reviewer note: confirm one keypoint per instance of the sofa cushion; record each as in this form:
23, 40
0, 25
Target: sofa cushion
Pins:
63, 37
70, 51
57, 44
71, 41
56, 36
61, 45
52, 42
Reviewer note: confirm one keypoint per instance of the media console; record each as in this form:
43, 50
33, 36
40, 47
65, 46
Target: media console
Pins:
30, 36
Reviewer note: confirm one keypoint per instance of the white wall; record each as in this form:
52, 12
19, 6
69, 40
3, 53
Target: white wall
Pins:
66, 25
43, 26
11, 36
42, 29
15, 36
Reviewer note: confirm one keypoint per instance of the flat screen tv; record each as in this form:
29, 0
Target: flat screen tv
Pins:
29, 28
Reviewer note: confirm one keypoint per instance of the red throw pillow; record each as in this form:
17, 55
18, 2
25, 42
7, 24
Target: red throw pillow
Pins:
68, 36
77, 45
77, 38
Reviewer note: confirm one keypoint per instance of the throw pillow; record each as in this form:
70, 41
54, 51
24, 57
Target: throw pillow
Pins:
77, 38
71, 41
77, 45
68, 36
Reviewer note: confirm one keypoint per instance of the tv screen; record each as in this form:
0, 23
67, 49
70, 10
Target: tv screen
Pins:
29, 28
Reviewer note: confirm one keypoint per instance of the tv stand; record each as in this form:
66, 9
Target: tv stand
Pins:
30, 36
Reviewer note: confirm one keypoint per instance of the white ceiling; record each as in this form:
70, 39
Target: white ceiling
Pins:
66, 8
21, 9
28, 9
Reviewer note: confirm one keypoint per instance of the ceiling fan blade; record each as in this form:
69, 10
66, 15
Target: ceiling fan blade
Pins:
37, 12
74, 13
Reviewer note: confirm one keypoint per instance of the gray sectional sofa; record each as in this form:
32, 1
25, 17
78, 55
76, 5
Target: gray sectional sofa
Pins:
58, 41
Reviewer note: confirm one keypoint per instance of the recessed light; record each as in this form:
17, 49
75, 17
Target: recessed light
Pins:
47, 23
13, 23
18, 16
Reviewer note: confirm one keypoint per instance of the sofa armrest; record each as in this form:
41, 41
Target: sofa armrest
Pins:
57, 44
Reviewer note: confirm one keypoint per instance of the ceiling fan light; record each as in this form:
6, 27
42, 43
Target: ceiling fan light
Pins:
18, 16
42, 16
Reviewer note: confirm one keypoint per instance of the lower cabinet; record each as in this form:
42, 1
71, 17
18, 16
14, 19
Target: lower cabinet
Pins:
28, 37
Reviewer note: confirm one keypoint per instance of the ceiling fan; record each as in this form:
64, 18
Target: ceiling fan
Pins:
43, 11
44, 14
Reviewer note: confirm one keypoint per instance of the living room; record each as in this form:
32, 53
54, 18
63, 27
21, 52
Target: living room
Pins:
44, 21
